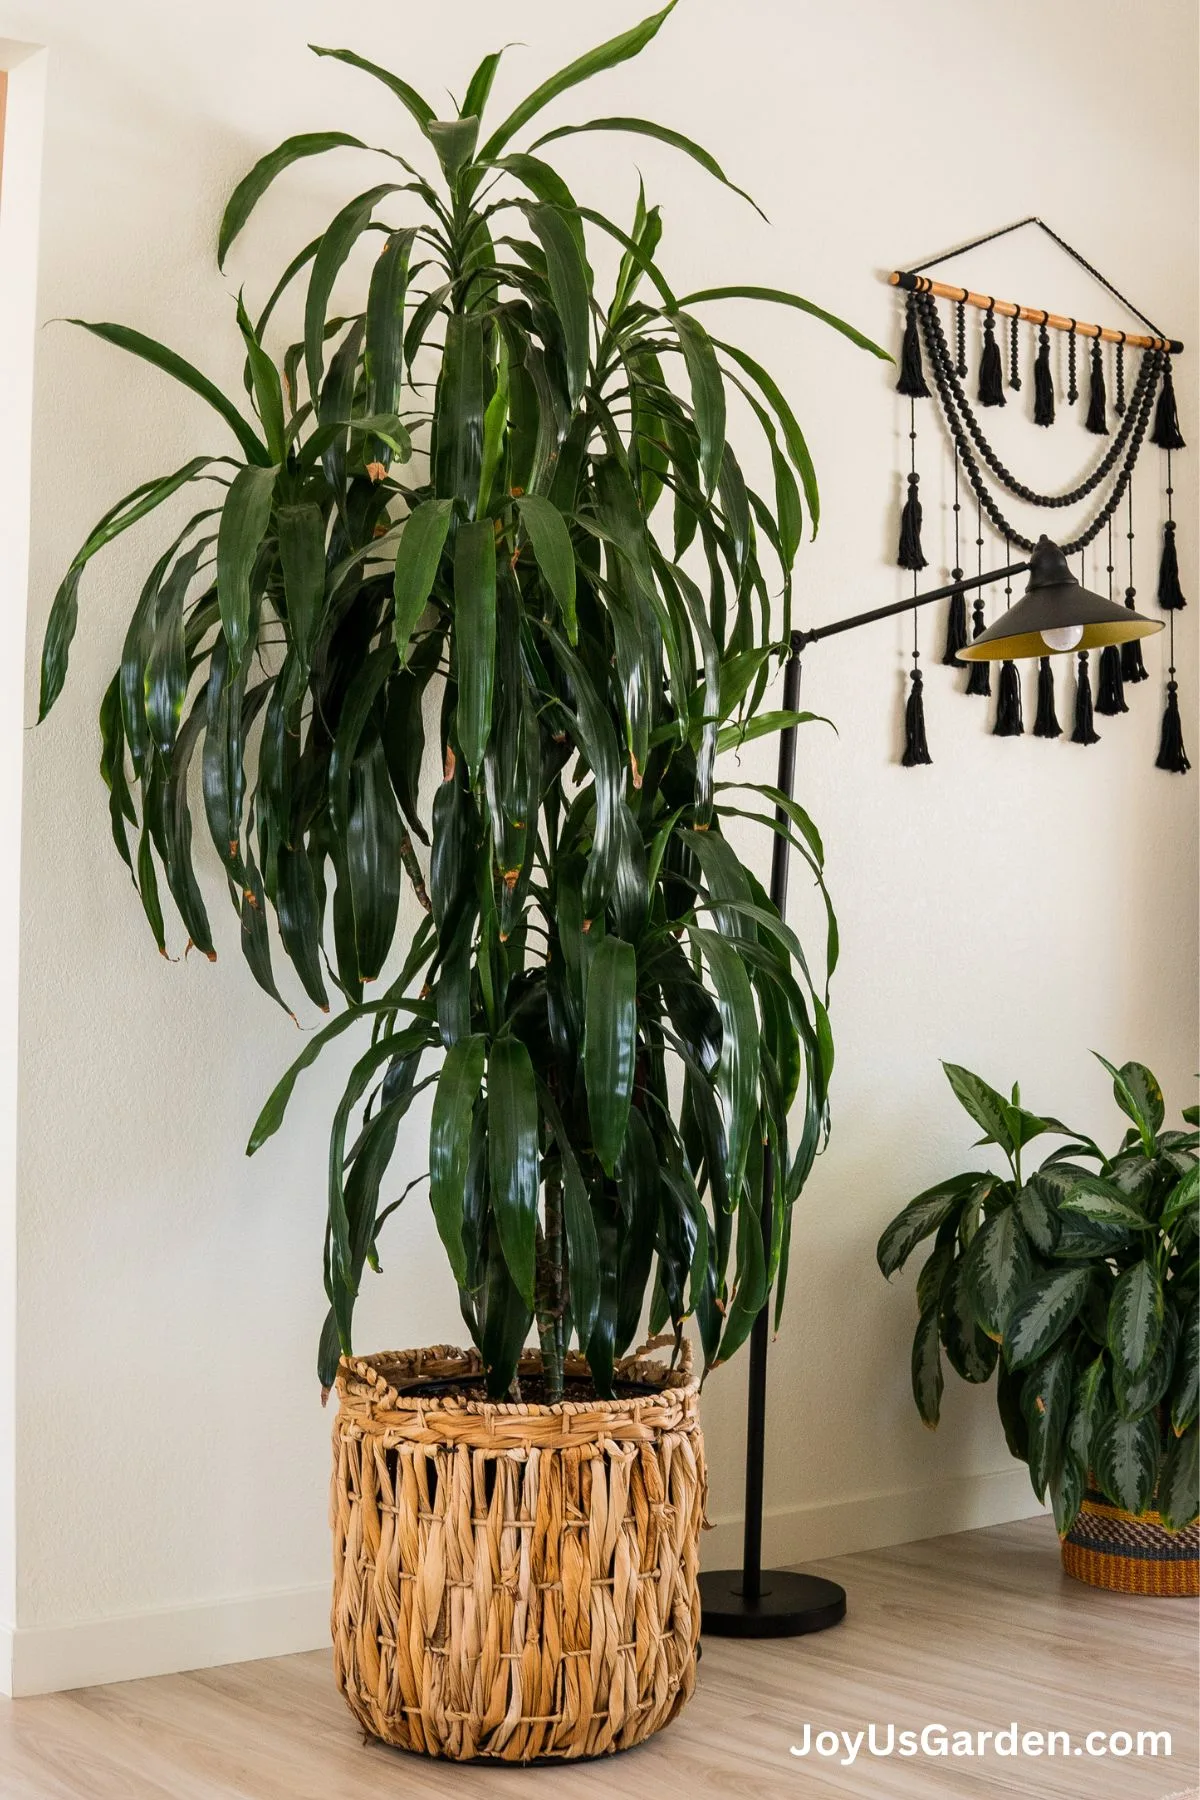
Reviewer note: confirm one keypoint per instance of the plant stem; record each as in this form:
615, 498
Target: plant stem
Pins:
550, 1287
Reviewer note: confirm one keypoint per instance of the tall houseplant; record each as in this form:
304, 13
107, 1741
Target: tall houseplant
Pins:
492, 505
488, 517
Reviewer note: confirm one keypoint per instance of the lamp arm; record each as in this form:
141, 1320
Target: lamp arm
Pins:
801, 639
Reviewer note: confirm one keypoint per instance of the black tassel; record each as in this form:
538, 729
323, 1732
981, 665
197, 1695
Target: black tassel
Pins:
979, 681
1046, 723
912, 369
1097, 414
1166, 433
1132, 667
1043, 382
911, 555
991, 370
1084, 732
956, 627
1170, 594
1110, 695
1009, 722
1171, 754
916, 749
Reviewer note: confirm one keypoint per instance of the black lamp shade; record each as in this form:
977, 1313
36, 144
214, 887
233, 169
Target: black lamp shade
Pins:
1054, 601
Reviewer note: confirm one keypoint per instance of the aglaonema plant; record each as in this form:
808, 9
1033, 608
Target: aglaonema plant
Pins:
490, 516
1078, 1285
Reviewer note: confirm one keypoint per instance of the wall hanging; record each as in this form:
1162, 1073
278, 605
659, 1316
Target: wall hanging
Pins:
935, 364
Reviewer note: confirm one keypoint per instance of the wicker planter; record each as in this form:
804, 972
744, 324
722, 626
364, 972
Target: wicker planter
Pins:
1132, 1553
514, 1582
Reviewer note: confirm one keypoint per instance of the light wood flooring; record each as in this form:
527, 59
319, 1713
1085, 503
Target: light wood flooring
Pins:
973, 1631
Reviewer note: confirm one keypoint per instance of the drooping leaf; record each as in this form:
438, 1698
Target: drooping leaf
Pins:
555, 554
610, 1040
920, 1219
1041, 1313
251, 188
151, 351
475, 625
927, 1378
1125, 1457
1135, 1318
244, 521
513, 1157
998, 1268
449, 1143
417, 559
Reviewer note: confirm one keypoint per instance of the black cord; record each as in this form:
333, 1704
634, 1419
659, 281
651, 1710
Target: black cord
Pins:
1062, 243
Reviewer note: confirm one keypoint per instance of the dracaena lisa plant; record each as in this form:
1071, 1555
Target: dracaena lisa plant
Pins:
490, 517
1076, 1284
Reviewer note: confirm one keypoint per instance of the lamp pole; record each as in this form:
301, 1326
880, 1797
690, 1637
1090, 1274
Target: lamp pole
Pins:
751, 1602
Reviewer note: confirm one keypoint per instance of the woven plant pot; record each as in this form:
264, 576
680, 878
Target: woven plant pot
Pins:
1132, 1553
514, 1582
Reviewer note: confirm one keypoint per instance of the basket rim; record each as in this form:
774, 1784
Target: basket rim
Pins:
673, 1384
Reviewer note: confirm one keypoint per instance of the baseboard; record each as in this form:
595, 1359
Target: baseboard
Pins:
802, 1534
47, 1659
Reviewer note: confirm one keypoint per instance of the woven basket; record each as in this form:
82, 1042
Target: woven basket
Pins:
1132, 1553
514, 1582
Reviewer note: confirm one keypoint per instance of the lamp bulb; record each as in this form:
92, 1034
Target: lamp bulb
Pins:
1062, 637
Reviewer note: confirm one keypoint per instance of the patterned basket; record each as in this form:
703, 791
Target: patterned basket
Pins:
514, 1582
1132, 1553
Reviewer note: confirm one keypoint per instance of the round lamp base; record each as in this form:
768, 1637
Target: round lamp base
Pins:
788, 1604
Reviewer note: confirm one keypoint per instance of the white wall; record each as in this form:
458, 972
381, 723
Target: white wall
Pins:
1010, 907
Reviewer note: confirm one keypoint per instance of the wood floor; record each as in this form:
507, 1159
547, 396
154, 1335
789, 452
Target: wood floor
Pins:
973, 1632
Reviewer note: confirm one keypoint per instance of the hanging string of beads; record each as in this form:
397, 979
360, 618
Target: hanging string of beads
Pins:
1014, 355
979, 676
1009, 722
1085, 731
1119, 403
960, 340
1133, 669
1072, 368
1110, 692
956, 617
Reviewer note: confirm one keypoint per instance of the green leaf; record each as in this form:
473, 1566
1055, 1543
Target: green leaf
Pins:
920, 1219
343, 233
417, 559
738, 1067
373, 833
781, 298
151, 351
998, 1267
512, 1116
1041, 1314
301, 533
480, 85
972, 1353
1181, 1199
568, 290
457, 450
64, 613
664, 135
554, 552
610, 1044
244, 521
763, 725
1185, 1393
605, 56
475, 636
251, 188
1091, 1197
1067, 1487
1135, 1317
1179, 1481
1046, 1405
708, 395
793, 437
408, 96
1139, 1097
454, 141
1086, 1409
927, 1379
989, 1109
383, 340
1125, 1456
450, 1141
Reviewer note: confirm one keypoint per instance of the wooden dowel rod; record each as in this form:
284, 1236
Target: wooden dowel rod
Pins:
921, 284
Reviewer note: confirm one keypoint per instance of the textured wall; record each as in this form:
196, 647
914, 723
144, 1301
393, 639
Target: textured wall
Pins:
1009, 907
